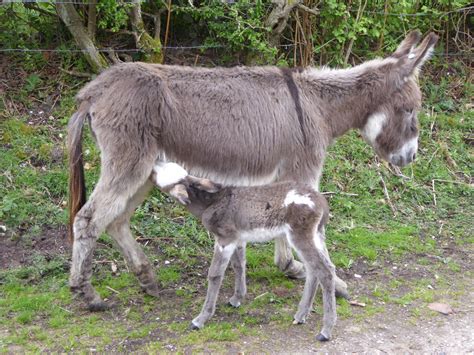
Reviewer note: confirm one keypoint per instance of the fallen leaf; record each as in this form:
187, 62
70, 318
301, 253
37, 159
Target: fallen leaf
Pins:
442, 308
113, 266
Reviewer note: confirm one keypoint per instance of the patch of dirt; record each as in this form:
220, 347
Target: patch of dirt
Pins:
19, 251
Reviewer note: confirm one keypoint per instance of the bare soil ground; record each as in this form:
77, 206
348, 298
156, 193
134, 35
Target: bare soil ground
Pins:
393, 328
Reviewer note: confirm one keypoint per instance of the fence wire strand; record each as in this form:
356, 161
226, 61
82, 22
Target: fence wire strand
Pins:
467, 9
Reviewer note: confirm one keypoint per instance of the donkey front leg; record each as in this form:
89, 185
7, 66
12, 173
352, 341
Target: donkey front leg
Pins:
219, 263
238, 264
285, 260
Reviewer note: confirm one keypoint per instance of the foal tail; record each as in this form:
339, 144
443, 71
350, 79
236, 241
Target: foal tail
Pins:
77, 186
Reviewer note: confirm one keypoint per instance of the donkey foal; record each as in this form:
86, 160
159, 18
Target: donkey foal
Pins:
237, 215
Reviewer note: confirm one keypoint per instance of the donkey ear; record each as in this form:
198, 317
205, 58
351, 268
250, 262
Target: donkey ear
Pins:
419, 55
410, 41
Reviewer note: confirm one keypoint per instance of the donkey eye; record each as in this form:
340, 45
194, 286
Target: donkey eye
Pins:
408, 111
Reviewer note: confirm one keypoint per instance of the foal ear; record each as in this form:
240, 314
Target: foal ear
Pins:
410, 41
180, 193
418, 56
204, 184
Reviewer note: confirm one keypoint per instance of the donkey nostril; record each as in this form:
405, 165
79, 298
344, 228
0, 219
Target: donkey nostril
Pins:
413, 157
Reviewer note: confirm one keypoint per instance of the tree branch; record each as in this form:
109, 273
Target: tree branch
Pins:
73, 22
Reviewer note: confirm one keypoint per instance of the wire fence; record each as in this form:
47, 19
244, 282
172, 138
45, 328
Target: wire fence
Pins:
468, 10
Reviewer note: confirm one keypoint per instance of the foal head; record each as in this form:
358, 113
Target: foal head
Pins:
392, 129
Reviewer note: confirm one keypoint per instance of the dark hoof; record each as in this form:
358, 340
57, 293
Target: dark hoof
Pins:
321, 337
98, 306
153, 291
192, 326
343, 294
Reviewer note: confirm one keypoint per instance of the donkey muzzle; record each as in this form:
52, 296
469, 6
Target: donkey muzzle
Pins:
406, 154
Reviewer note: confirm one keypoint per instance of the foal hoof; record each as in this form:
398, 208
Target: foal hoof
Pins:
321, 337
98, 306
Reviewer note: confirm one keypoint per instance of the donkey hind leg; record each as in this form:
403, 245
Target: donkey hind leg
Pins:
285, 260
133, 253
319, 267
219, 263
108, 201
238, 264
102, 208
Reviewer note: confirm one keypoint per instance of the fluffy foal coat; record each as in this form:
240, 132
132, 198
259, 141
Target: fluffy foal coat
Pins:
237, 215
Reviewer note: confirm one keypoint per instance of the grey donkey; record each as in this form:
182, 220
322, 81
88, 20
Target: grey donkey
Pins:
237, 215
236, 126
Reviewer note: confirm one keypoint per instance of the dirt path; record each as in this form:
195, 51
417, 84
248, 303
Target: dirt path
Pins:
390, 332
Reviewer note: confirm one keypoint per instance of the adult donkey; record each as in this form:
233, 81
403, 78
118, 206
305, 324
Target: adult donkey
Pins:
239, 126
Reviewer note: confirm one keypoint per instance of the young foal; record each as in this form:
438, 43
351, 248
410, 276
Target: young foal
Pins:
237, 215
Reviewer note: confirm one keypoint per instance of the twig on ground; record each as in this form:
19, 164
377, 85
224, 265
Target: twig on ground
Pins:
76, 73
454, 182
64, 309
339, 193
113, 290
387, 196
434, 191
259, 296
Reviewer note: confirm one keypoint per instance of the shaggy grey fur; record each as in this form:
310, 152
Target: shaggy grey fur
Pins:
240, 126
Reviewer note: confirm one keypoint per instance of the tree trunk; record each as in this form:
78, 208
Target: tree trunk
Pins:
151, 46
278, 18
92, 19
73, 22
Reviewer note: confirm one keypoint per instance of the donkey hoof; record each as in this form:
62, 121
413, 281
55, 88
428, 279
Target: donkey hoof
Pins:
193, 326
234, 302
321, 337
98, 306
343, 294
153, 290
301, 321
296, 271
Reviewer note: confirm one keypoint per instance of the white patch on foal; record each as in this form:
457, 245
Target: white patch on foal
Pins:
260, 235
374, 126
294, 197
168, 174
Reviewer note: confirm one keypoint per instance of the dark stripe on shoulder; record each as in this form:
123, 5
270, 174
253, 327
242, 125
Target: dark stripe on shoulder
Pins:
290, 82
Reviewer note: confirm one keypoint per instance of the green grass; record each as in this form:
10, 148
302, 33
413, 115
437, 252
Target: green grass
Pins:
36, 309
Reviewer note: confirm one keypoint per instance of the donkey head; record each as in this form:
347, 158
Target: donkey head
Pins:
392, 129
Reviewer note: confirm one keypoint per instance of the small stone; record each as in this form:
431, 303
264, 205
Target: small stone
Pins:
357, 276
167, 262
430, 287
442, 308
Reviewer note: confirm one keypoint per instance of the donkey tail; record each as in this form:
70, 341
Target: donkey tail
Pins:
77, 186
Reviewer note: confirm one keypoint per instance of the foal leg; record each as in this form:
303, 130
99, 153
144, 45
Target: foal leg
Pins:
238, 264
319, 267
133, 253
219, 263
